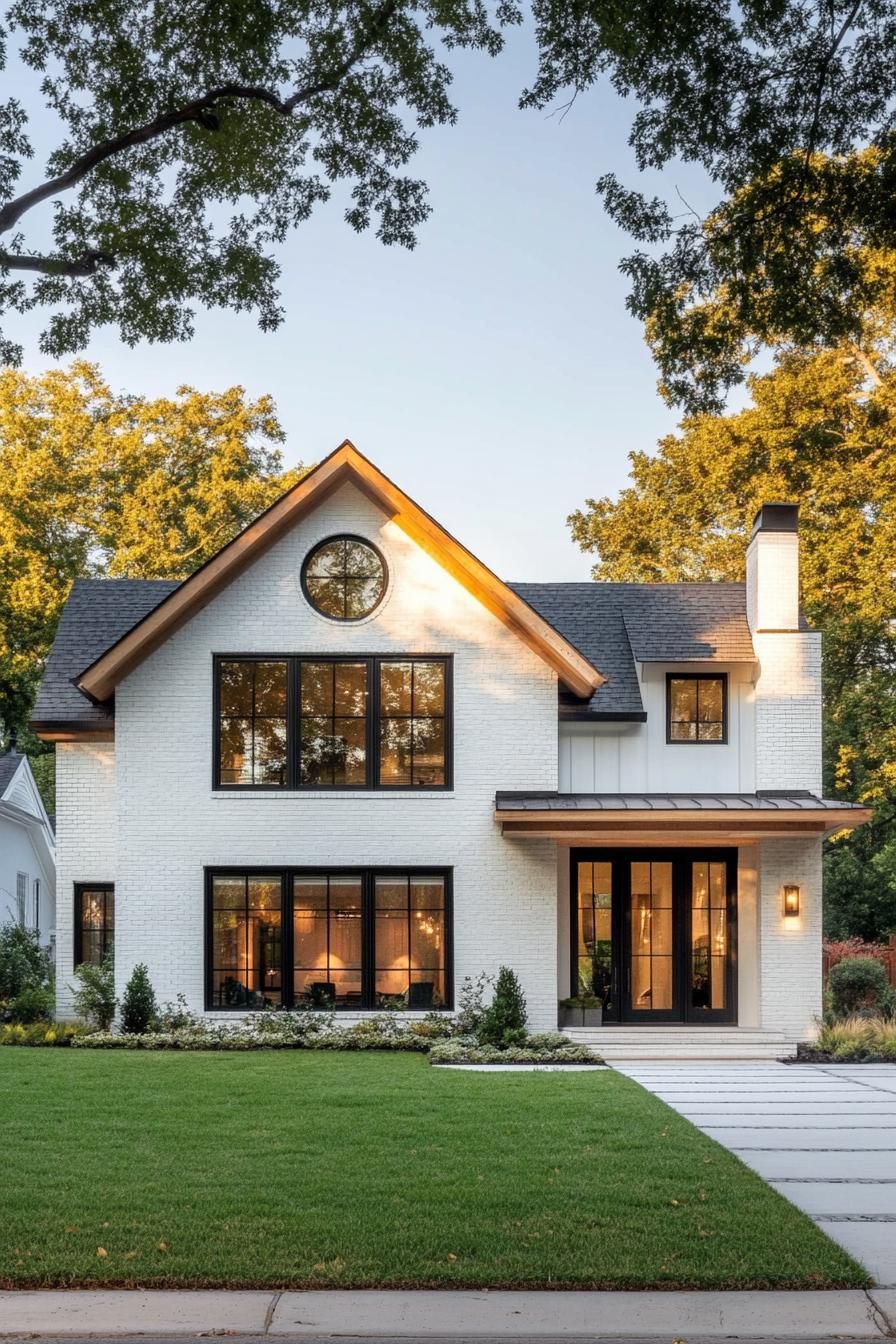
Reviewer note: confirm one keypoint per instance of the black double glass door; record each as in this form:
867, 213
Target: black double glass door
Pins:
654, 933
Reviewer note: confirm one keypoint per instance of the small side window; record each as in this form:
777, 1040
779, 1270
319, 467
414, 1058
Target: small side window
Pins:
697, 708
94, 922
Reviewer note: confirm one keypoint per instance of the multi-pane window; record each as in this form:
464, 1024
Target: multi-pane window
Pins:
326, 721
333, 713
412, 723
356, 940
696, 708
344, 578
327, 940
252, 715
410, 941
94, 922
246, 941
21, 899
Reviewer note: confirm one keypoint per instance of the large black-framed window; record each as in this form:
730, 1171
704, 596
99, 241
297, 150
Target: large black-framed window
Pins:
252, 721
332, 721
94, 922
351, 939
697, 707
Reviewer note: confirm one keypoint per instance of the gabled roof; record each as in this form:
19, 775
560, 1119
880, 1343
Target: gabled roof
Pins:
98, 681
616, 625
98, 612
9, 766
20, 801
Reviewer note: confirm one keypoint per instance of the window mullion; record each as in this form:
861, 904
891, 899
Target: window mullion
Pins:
293, 721
411, 737
374, 727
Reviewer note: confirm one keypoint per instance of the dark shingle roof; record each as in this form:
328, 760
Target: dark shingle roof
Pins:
796, 801
9, 764
611, 624
98, 612
615, 624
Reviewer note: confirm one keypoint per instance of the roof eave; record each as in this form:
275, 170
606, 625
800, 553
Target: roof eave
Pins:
72, 730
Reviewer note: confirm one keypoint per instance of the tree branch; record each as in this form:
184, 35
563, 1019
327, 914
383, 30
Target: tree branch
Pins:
823, 74
87, 264
199, 110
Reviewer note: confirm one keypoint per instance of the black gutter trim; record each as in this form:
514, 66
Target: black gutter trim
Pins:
603, 716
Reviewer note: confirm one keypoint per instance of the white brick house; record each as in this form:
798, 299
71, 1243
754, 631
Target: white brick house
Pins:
344, 764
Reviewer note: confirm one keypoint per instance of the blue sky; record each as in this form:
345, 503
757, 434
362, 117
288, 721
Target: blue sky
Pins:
494, 372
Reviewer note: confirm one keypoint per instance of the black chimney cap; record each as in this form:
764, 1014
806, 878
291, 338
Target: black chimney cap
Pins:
777, 518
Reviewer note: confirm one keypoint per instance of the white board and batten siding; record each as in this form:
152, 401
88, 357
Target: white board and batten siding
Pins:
636, 758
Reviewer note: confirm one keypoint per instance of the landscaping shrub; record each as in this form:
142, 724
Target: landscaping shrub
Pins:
138, 1004
24, 965
94, 996
859, 985
40, 1033
854, 1040
471, 1003
561, 1050
503, 1023
173, 1016
302, 1029
35, 1003
841, 948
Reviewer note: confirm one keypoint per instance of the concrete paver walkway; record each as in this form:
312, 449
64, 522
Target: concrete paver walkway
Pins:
823, 1135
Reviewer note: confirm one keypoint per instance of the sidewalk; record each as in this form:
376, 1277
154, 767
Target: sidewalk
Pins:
434, 1315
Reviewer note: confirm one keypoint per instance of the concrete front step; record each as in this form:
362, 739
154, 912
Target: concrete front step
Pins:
623, 1043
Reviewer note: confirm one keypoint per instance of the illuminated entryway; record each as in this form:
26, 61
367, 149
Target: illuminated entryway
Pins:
654, 933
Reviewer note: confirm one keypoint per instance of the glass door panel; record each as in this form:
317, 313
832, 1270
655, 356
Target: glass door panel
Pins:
709, 939
594, 944
651, 938
654, 934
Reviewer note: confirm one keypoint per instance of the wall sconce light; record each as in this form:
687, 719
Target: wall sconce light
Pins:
791, 900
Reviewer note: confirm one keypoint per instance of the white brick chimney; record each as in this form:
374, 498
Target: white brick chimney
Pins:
773, 569
788, 682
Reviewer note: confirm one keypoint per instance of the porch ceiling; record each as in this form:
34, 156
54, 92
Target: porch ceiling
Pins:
673, 818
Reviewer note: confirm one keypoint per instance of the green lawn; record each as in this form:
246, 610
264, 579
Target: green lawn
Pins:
298, 1169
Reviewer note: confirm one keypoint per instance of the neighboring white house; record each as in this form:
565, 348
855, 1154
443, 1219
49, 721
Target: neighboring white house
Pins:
344, 764
27, 852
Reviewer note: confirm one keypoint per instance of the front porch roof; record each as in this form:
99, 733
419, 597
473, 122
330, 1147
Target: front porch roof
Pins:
673, 818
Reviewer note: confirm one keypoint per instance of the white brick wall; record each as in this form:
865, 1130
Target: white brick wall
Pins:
790, 949
86, 840
788, 711
171, 823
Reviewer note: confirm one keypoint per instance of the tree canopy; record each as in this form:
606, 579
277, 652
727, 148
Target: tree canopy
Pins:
94, 483
193, 137
815, 433
788, 107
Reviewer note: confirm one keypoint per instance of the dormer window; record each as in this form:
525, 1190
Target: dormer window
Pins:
697, 708
344, 578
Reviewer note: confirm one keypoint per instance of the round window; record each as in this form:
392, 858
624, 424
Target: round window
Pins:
344, 578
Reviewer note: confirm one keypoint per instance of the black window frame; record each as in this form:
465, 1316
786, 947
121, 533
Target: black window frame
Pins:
368, 875
697, 741
108, 889
294, 663
328, 541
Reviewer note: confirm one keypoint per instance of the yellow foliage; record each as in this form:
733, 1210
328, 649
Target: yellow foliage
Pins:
93, 482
